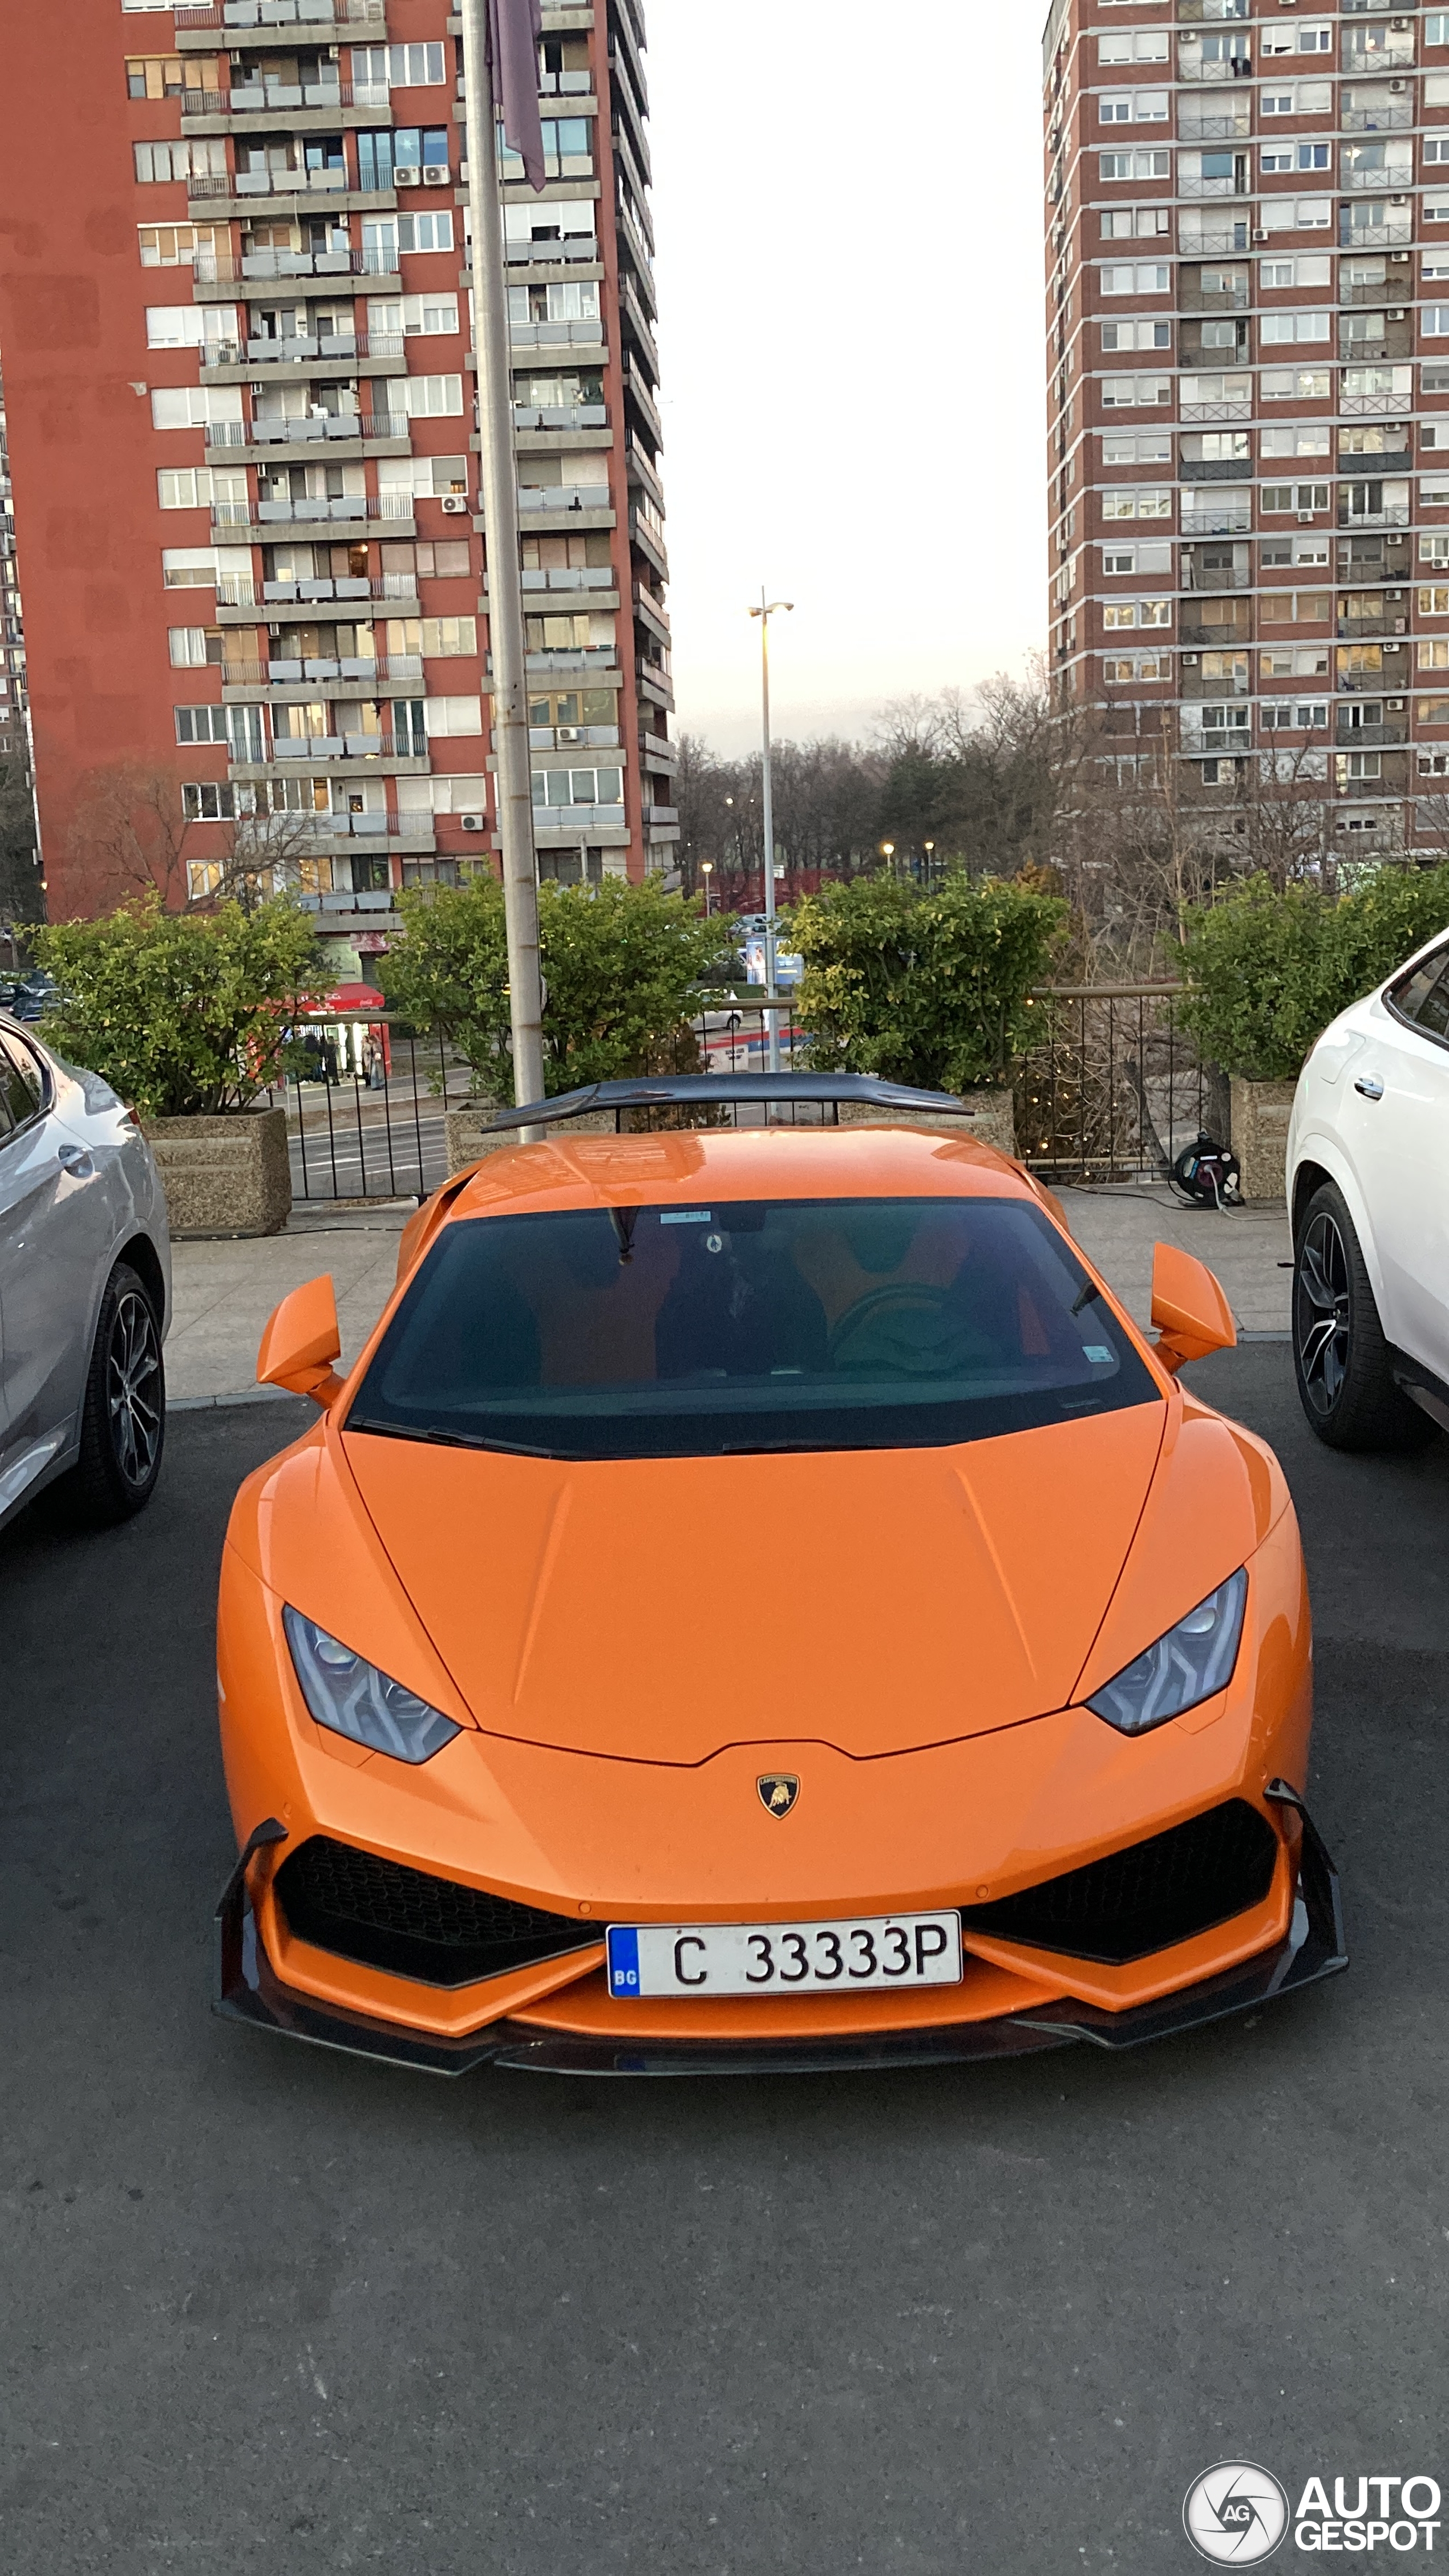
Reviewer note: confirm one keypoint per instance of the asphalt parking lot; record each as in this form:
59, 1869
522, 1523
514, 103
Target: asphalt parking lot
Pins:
264, 2307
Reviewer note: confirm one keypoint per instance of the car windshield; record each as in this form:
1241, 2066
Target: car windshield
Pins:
668, 1332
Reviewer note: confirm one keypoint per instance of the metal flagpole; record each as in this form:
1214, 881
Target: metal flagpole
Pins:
514, 787
765, 612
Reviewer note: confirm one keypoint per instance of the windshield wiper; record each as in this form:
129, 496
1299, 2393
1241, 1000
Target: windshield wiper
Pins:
763, 1448
455, 1439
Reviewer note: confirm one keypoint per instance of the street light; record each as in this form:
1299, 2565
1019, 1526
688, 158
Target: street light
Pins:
928, 847
766, 610
706, 870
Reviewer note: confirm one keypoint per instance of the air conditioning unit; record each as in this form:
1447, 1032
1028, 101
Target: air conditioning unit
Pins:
436, 175
1393, 648
1398, 201
1395, 313
407, 178
1394, 594
455, 504
1189, 661
471, 822
1260, 232
1305, 518
1395, 706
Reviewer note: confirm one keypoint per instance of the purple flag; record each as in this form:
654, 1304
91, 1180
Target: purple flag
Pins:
514, 29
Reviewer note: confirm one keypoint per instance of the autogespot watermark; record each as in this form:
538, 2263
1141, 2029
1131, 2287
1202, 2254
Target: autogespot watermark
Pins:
1238, 2513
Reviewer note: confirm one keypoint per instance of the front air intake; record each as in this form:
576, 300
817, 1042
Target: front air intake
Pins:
1147, 1897
412, 1924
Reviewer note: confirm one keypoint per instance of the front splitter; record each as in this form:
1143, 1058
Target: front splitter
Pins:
248, 1989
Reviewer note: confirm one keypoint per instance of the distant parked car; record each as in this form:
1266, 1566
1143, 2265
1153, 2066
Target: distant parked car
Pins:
85, 1286
1368, 1187
28, 996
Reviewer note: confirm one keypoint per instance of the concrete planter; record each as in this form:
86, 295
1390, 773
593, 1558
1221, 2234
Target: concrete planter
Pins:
228, 1175
1260, 1115
991, 1121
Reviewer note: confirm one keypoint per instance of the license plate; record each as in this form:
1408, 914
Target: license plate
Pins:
850, 1956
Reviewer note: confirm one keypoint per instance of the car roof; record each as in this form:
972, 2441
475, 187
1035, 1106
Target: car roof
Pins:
776, 1162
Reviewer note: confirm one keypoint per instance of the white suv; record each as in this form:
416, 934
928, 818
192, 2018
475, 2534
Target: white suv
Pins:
1368, 1191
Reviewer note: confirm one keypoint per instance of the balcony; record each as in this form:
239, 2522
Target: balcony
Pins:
1396, 54
1202, 579
1393, 341
1191, 67
395, 668
1191, 184
222, 268
313, 510
282, 13
1390, 179
1375, 236
1354, 406
312, 349
1356, 629
332, 747
274, 98
1369, 737
559, 497
1234, 519
567, 416
570, 657
1383, 290
1193, 13
571, 577
361, 428
1202, 125
277, 183
587, 335
571, 246
1239, 408
1397, 516
573, 737
1396, 116
253, 596
576, 818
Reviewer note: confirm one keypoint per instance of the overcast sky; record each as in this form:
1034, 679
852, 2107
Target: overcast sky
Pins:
847, 208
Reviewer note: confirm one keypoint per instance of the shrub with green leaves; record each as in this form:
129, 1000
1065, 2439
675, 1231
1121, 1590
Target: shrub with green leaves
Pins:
184, 1014
1267, 970
621, 963
922, 988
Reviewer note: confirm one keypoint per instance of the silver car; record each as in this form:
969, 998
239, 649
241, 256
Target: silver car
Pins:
85, 1288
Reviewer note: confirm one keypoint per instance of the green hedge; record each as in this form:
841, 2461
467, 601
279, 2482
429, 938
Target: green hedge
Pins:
922, 988
183, 1013
620, 963
1267, 971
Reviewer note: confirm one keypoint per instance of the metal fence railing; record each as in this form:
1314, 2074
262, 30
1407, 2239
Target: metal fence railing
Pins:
1115, 1085
1111, 1087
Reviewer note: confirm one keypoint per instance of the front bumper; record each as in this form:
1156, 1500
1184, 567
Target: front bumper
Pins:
248, 1989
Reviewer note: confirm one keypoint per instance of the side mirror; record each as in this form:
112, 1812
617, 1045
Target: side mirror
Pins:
300, 1343
1189, 1309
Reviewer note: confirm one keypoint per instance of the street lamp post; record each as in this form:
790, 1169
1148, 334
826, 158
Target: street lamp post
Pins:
706, 870
499, 479
766, 610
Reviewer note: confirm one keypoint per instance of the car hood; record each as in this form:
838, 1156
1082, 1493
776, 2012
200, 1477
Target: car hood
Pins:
658, 1610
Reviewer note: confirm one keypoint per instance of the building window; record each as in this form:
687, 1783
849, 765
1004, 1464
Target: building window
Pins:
162, 163
453, 716
201, 724
413, 316
208, 800
432, 396
415, 66
153, 76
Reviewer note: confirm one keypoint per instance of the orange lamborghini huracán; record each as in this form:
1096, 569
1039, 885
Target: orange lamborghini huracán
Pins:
758, 1601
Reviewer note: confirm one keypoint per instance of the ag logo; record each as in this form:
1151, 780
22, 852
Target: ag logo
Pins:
778, 1791
1235, 2514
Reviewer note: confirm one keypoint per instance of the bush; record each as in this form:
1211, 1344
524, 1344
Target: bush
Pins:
1267, 971
922, 988
184, 1014
620, 964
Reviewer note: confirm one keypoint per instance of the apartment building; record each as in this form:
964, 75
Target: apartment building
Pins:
243, 429
14, 743
1248, 323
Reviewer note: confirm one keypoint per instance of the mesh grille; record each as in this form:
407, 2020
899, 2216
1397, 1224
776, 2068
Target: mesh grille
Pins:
412, 1924
1145, 1898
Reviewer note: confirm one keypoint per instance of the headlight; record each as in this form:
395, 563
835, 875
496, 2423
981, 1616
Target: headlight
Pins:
353, 1698
1192, 1661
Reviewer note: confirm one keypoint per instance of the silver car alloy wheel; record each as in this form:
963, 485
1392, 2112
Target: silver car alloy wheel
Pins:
133, 1387
1321, 1317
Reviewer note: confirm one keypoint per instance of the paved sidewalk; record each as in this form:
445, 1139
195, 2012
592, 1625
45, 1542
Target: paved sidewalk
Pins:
225, 1291
1118, 1226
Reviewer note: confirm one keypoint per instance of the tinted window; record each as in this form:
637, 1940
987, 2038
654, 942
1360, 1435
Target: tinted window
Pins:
1422, 996
22, 1084
691, 1332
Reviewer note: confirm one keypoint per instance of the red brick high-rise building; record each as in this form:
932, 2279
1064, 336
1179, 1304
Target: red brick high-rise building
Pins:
1248, 327
242, 423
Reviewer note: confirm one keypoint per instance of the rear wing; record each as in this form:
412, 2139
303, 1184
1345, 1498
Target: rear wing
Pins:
705, 1090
